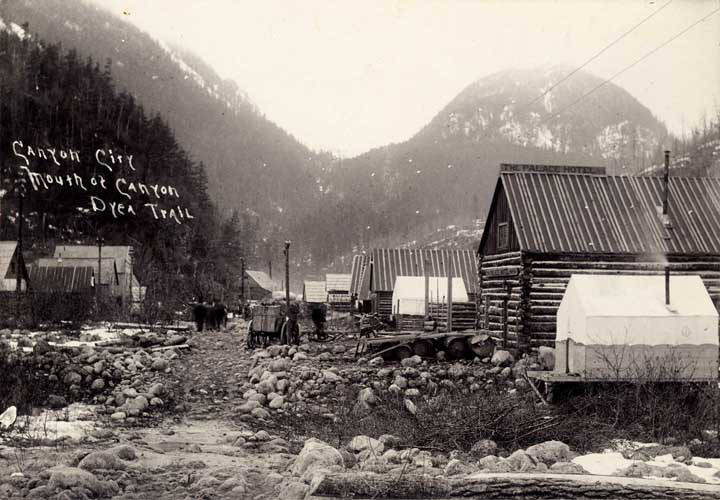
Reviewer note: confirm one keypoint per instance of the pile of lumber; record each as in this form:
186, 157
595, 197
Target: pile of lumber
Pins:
463, 315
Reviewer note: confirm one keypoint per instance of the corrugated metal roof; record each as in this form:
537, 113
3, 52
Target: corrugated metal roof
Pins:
359, 265
571, 212
338, 282
121, 254
389, 263
263, 280
108, 270
314, 291
61, 279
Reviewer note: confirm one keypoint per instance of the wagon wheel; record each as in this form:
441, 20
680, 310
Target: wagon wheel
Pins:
457, 347
424, 348
283, 335
251, 337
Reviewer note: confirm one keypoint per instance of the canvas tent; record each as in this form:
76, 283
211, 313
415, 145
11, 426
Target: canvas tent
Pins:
10, 261
409, 293
609, 325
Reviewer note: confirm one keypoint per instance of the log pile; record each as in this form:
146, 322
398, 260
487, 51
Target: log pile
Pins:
464, 315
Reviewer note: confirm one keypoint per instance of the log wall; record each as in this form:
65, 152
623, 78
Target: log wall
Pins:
521, 292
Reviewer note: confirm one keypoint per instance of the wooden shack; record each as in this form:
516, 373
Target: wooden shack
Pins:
338, 291
547, 223
360, 283
386, 264
259, 285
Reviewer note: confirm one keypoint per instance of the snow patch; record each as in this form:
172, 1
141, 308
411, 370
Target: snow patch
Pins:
16, 29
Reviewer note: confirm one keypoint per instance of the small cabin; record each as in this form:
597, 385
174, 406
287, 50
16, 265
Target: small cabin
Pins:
338, 291
314, 292
546, 223
386, 264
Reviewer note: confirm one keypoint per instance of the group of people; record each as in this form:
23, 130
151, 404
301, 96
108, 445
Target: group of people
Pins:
212, 316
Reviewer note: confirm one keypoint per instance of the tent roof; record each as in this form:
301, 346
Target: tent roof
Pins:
263, 280
633, 296
122, 254
7, 250
413, 287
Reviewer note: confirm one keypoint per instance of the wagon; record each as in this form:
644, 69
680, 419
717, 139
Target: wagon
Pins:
457, 345
270, 322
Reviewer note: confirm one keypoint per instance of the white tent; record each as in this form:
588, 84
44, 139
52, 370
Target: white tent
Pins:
409, 293
612, 323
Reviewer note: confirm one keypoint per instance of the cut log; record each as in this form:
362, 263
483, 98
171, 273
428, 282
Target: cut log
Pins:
504, 485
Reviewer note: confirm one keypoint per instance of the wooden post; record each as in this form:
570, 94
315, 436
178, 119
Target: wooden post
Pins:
18, 275
242, 284
449, 294
287, 275
100, 242
427, 287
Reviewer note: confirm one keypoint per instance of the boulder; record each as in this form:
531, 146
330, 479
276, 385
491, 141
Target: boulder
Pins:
104, 460
331, 376
56, 402
551, 452
521, 461
491, 463
567, 468
376, 362
63, 478
316, 455
98, 385
367, 397
455, 467
546, 357
502, 358
277, 403
411, 361
361, 443
484, 448
160, 365
456, 371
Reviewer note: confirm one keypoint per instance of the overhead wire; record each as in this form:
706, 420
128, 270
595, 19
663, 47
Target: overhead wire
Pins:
626, 68
598, 54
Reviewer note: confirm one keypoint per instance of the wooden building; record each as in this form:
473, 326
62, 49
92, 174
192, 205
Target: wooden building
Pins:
546, 223
387, 264
123, 286
338, 291
259, 285
12, 263
314, 292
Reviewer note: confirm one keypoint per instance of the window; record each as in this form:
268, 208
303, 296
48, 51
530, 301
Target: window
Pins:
503, 238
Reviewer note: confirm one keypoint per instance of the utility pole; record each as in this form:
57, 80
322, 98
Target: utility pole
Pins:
242, 284
287, 274
19, 250
449, 295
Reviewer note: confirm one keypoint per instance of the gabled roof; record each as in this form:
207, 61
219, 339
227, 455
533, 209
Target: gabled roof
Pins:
108, 269
7, 252
389, 263
315, 292
357, 275
338, 282
263, 280
122, 254
62, 279
577, 211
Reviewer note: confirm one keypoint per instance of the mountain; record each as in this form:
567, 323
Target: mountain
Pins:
252, 165
445, 174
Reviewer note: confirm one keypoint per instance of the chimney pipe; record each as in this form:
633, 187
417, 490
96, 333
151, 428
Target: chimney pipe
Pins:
666, 223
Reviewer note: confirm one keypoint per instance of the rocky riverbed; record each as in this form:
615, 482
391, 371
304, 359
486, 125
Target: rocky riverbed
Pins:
198, 418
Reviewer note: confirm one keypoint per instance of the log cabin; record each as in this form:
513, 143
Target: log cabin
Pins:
546, 223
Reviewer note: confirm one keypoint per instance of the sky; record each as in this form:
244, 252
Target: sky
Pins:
347, 76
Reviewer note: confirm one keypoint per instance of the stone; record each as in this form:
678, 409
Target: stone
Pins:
72, 378
411, 361
505, 372
331, 376
401, 382
521, 461
249, 407
550, 452
56, 402
277, 403
315, 455
156, 389
367, 397
64, 478
484, 448
361, 443
491, 463
160, 365
260, 413
502, 358
260, 398
102, 460
300, 356
567, 468
376, 362
546, 357
98, 385
124, 452
265, 387
262, 436
679, 453
394, 389
411, 393
456, 371
410, 407
455, 467
140, 403
118, 415
156, 402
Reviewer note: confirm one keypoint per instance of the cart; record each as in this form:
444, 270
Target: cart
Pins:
270, 322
